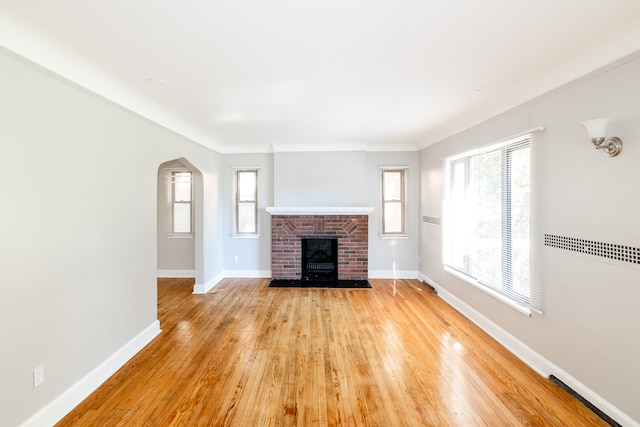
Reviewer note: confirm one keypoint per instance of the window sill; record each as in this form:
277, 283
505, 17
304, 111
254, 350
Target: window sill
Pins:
394, 236
497, 295
246, 236
179, 236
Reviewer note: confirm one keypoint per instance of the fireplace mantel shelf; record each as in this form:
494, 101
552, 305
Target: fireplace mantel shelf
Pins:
321, 210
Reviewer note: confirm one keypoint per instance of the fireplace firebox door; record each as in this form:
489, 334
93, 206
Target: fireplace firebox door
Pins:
319, 259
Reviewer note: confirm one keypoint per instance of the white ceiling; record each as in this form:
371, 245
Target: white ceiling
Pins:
256, 75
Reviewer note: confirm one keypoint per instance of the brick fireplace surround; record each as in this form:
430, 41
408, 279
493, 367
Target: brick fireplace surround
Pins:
350, 226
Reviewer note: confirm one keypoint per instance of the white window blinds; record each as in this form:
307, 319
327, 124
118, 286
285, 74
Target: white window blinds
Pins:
488, 218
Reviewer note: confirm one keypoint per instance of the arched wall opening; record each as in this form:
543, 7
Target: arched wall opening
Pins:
179, 255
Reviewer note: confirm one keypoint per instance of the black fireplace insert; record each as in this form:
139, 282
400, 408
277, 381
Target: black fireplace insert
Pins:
319, 258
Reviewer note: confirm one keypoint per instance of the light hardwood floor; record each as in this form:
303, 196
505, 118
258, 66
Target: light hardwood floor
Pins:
395, 355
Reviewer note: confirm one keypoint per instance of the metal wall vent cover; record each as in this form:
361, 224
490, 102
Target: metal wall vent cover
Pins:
431, 220
591, 247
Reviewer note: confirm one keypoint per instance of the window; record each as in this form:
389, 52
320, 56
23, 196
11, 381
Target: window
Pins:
393, 201
487, 220
246, 201
181, 194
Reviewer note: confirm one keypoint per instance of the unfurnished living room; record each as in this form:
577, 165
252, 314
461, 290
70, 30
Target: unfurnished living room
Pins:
327, 213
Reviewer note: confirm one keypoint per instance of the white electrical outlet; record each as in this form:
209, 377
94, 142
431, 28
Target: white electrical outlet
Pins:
235, 259
38, 376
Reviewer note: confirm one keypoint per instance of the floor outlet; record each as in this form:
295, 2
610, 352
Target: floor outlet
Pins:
38, 376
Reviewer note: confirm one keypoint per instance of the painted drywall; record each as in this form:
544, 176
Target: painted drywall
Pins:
328, 179
78, 254
248, 256
175, 253
396, 257
319, 179
590, 323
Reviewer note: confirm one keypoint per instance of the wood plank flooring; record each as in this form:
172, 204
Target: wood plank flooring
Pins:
395, 355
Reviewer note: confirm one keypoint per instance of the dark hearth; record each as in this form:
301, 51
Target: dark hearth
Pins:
284, 283
319, 259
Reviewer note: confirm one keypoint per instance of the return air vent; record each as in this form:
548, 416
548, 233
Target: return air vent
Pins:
431, 220
591, 247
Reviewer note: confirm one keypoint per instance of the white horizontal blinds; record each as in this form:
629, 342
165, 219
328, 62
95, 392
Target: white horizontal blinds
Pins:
181, 202
246, 201
393, 182
488, 218
536, 234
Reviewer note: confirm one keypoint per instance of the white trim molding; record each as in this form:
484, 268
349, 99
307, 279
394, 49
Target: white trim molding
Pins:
70, 398
231, 274
247, 274
324, 210
176, 274
529, 356
393, 274
206, 287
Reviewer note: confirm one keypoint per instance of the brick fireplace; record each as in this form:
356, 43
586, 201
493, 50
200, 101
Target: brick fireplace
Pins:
349, 226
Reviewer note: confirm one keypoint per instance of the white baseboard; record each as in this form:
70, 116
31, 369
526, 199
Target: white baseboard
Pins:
70, 398
393, 274
525, 353
187, 274
206, 287
249, 274
176, 274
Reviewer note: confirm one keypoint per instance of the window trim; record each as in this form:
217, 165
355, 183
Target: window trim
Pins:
172, 202
511, 145
237, 202
403, 170
522, 308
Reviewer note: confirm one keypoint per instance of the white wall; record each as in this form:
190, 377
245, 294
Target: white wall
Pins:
325, 179
253, 254
590, 325
78, 253
320, 179
397, 257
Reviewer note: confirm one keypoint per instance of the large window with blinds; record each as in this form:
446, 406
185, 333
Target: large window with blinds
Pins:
487, 220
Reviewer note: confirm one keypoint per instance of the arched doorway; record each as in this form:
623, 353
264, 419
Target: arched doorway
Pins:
179, 220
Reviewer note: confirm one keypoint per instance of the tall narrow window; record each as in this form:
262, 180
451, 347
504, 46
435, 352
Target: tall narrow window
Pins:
487, 220
393, 201
247, 201
181, 194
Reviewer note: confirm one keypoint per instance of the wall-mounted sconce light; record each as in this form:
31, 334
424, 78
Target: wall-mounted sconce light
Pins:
597, 131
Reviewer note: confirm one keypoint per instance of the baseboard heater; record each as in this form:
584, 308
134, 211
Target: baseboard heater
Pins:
607, 419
